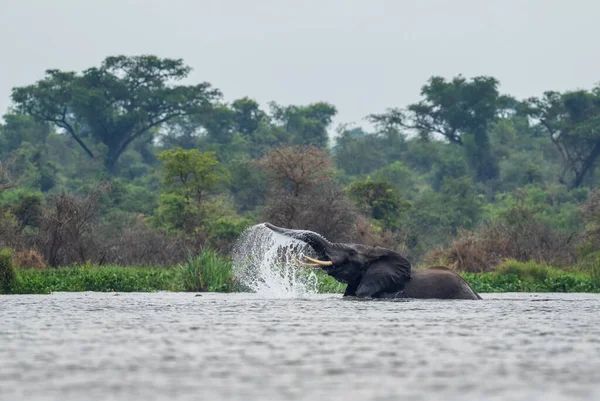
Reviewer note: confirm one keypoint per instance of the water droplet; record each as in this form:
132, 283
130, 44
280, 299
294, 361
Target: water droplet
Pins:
263, 261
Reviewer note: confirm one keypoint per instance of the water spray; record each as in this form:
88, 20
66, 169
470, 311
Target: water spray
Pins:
269, 264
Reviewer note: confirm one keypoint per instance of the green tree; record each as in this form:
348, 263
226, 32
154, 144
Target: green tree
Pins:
358, 152
116, 103
350, 155
20, 128
380, 201
247, 116
400, 177
306, 124
461, 111
572, 121
191, 201
191, 173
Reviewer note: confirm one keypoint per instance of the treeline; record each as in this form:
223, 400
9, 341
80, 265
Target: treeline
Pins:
120, 164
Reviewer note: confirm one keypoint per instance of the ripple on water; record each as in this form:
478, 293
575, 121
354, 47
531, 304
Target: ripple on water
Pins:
248, 347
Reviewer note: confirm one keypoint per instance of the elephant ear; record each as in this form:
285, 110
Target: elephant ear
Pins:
388, 272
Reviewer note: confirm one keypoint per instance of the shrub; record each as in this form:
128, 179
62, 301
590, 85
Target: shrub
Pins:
8, 274
29, 259
206, 272
302, 193
138, 244
519, 236
525, 270
67, 227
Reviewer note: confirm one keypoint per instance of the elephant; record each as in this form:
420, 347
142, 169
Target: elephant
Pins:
376, 272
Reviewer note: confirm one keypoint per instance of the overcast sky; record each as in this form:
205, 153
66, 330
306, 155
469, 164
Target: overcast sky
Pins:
361, 55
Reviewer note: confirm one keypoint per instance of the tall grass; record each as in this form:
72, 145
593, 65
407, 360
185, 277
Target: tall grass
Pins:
207, 271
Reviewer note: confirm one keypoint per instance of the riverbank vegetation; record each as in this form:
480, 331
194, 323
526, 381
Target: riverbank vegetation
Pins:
210, 272
120, 165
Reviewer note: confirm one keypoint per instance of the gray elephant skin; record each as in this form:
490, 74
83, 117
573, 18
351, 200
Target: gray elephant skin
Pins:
376, 272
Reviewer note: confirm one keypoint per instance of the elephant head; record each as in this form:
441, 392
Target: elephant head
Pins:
368, 271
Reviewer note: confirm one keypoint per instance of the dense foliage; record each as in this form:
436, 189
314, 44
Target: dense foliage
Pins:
210, 272
119, 164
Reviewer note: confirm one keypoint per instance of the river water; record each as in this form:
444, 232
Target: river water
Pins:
177, 346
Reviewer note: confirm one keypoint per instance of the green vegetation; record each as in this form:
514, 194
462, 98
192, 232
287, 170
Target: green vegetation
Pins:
210, 272
94, 278
121, 165
327, 284
8, 273
513, 276
206, 272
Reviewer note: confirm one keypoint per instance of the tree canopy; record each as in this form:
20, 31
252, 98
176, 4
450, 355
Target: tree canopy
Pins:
465, 168
116, 103
572, 121
461, 111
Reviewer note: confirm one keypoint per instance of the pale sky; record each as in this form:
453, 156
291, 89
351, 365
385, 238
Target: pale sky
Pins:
361, 55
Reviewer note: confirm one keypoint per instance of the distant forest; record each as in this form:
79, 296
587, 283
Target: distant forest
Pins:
122, 164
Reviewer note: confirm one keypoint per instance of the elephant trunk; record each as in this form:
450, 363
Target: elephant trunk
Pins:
314, 240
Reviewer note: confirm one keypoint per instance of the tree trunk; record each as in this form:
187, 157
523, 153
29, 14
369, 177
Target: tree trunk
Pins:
110, 161
587, 165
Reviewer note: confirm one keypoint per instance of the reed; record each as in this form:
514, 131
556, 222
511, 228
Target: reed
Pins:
207, 271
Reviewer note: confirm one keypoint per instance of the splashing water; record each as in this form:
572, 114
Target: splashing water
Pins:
263, 261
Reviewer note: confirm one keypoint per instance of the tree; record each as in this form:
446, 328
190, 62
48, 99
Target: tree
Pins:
6, 177
306, 124
357, 152
237, 130
247, 115
116, 103
243, 117
296, 168
572, 122
380, 201
302, 193
23, 136
350, 155
20, 128
191, 173
190, 180
461, 111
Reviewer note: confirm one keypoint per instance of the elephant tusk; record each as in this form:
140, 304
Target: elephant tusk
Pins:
319, 262
304, 263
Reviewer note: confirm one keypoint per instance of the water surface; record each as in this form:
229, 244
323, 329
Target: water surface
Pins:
174, 346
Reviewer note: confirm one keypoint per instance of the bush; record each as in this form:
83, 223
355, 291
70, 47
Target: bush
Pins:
517, 235
29, 259
302, 193
8, 274
68, 227
138, 244
206, 272
525, 270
